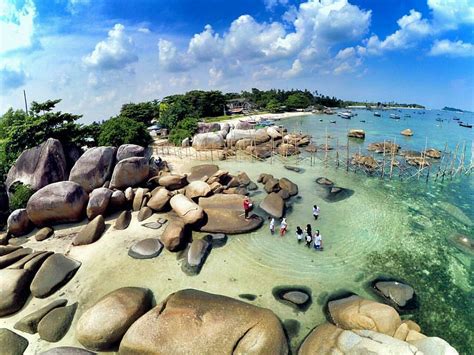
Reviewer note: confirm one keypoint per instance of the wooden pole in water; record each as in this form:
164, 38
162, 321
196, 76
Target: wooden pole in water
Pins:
347, 155
392, 159
383, 164
453, 160
326, 149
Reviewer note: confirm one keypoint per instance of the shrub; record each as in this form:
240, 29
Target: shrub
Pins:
184, 129
20, 196
122, 130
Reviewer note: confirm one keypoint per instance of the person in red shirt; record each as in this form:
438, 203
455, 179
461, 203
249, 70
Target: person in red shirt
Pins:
247, 207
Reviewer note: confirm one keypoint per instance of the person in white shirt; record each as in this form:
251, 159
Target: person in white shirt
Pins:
318, 241
299, 234
316, 211
272, 225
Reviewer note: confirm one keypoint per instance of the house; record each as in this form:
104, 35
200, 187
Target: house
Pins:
239, 105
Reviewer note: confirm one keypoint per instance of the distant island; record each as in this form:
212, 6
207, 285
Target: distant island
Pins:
446, 108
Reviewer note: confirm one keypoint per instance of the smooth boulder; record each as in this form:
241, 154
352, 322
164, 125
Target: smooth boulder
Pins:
123, 220
13, 290
29, 323
192, 321
197, 189
288, 185
407, 132
129, 151
55, 271
67, 350
60, 202
117, 201
44, 233
146, 249
274, 205
103, 325
93, 168
174, 235
395, 292
11, 343
129, 172
91, 232
159, 200
187, 209
99, 200
196, 256
173, 181
54, 325
202, 170
18, 223
206, 141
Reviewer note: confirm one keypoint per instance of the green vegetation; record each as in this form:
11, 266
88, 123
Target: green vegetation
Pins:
447, 108
123, 130
144, 112
20, 196
184, 129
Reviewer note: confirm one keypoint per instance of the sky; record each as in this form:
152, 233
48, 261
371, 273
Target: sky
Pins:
96, 55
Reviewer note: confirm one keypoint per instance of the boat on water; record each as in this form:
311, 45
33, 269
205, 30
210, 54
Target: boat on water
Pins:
363, 121
333, 121
456, 118
345, 115
466, 125
377, 114
394, 116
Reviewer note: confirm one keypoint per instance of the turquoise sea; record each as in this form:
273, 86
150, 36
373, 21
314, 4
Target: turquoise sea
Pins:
399, 228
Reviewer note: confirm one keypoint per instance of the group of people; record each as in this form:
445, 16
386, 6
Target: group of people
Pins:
315, 238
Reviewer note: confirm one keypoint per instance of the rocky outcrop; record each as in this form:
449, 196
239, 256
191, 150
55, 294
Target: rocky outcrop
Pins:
53, 273
197, 189
54, 325
18, 223
366, 161
331, 193
13, 290
129, 151
272, 185
11, 343
191, 321
90, 232
99, 200
187, 209
130, 172
174, 235
39, 166
274, 205
286, 149
60, 202
93, 168
381, 147
205, 141
204, 127
356, 133
274, 132
355, 312
407, 132
29, 323
433, 153
103, 325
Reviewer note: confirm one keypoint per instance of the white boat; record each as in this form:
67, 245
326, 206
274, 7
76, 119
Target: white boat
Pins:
377, 114
394, 116
345, 115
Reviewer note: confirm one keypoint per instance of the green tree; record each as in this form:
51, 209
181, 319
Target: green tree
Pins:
184, 129
176, 109
143, 112
122, 130
273, 105
297, 100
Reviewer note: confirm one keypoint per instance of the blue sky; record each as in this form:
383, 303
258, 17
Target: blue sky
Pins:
98, 54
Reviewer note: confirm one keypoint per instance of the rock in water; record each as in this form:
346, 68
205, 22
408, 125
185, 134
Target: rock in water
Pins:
289, 186
29, 324
39, 166
44, 233
407, 132
18, 223
355, 312
90, 232
54, 325
159, 200
187, 209
93, 168
433, 153
174, 235
67, 350
396, 292
129, 150
272, 185
324, 181
146, 249
199, 171
123, 220
196, 256
145, 213
103, 325
356, 133
13, 290
130, 172
12, 343
216, 239
203, 323
53, 273
296, 297
274, 205
99, 200
60, 202
296, 169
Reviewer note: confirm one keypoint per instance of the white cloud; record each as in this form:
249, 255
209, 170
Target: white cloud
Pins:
412, 29
295, 70
144, 30
453, 49
115, 52
11, 78
17, 27
270, 4
73, 6
206, 45
450, 14
216, 76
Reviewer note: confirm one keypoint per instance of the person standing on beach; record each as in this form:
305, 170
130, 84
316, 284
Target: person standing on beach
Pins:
318, 241
309, 235
247, 207
316, 211
283, 227
299, 234
272, 225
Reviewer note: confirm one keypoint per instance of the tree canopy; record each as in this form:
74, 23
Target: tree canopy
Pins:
123, 130
144, 112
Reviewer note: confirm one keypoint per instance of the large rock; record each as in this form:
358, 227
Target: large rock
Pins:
204, 127
434, 346
91, 232
187, 209
18, 223
396, 292
355, 312
118, 201
144, 213
29, 323
407, 132
272, 185
274, 132
130, 172
14, 255
236, 134
197, 189
174, 235
173, 181
328, 339
11, 343
103, 325
202, 170
138, 198
331, 193
286, 149
196, 256
60, 202
229, 202
274, 205
146, 249
39, 166
54, 325
129, 151
20, 264
191, 321
159, 200
205, 141
381, 147
99, 200
356, 133
53, 273
123, 220
13, 290
93, 168
433, 153
288, 185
